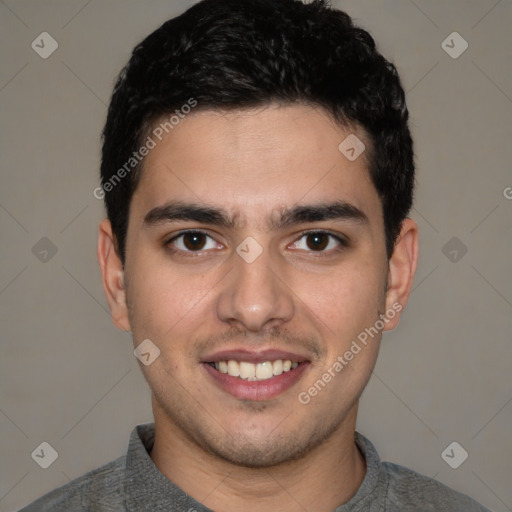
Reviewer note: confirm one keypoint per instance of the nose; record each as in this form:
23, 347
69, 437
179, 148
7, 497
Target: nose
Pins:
254, 296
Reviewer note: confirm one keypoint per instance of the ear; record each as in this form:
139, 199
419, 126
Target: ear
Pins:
401, 270
112, 274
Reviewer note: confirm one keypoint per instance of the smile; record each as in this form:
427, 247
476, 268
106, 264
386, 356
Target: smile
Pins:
255, 371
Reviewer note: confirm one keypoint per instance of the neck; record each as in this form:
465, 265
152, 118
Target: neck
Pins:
322, 480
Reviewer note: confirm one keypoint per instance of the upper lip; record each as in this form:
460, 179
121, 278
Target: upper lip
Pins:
254, 357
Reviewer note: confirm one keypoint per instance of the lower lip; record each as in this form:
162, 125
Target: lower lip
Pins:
256, 390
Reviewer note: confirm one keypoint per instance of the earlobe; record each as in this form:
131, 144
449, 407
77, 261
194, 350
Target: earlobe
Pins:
112, 273
401, 270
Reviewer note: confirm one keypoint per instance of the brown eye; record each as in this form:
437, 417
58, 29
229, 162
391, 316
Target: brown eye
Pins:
194, 241
317, 241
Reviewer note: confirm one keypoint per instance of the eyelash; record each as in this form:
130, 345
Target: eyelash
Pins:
342, 243
181, 234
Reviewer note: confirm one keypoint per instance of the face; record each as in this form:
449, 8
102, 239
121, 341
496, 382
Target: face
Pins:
255, 259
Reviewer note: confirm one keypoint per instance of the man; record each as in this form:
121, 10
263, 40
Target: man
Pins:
257, 171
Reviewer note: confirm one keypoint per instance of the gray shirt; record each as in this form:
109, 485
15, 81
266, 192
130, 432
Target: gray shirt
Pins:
133, 483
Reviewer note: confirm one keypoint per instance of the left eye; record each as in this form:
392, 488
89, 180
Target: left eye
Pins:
317, 241
193, 241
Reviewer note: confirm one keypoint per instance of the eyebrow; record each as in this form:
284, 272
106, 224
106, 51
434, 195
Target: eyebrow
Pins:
172, 212
178, 211
338, 210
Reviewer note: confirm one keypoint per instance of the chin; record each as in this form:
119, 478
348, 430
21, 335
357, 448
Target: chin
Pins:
266, 454
264, 448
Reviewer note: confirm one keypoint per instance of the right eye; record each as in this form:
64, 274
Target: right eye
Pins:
193, 241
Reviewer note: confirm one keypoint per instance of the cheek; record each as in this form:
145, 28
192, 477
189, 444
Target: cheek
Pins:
346, 300
166, 300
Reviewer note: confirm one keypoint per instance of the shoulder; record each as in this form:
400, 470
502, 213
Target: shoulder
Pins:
411, 491
103, 485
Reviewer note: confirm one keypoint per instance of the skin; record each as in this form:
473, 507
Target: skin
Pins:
276, 454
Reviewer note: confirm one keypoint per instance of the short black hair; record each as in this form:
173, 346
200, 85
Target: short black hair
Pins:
233, 54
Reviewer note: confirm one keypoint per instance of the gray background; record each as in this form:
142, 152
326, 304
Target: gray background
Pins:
69, 377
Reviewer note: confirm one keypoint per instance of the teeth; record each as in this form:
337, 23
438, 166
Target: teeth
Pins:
264, 370
233, 369
277, 367
254, 372
247, 370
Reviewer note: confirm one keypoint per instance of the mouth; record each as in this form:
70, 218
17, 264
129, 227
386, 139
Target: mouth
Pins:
255, 376
252, 372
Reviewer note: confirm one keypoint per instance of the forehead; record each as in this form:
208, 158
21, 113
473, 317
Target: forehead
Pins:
255, 161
